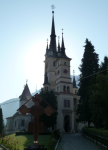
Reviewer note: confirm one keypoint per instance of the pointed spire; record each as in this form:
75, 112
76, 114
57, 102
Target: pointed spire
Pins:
74, 82
46, 79
53, 27
26, 92
53, 48
58, 44
62, 45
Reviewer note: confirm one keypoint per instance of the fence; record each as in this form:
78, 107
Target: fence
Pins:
97, 139
58, 142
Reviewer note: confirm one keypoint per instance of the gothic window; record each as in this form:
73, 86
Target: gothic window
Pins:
22, 122
15, 123
68, 89
66, 103
53, 63
64, 88
64, 63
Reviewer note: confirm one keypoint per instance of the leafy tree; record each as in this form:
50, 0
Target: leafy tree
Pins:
50, 98
98, 101
89, 65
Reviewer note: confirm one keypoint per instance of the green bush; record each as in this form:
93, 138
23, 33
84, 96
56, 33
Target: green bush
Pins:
100, 132
56, 134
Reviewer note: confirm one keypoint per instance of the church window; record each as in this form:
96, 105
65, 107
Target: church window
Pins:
22, 122
58, 64
68, 89
64, 63
66, 103
64, 88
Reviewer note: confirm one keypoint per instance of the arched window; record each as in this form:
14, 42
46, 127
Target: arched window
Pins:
64, 88
68, 89
64, 63
58, 64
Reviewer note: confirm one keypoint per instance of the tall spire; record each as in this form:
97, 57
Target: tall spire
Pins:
53, 27
52, 47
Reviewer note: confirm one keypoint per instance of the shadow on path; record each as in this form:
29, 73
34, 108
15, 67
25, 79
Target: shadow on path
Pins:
76, 142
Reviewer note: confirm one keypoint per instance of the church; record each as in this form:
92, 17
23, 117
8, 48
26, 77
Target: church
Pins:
57, 78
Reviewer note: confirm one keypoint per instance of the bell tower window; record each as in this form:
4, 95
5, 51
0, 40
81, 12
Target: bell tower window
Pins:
68, 89
64, 88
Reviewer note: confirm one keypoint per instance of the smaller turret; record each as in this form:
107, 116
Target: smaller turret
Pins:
74, 84
46, 83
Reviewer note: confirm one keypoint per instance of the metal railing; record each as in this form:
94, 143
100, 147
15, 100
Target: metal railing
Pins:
58, 142
97, 139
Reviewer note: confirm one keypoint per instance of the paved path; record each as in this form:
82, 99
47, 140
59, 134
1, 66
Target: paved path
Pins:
76, 142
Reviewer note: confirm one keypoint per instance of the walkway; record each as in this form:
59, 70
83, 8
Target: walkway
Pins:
76, 142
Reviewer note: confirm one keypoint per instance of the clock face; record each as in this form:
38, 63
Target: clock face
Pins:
65, 71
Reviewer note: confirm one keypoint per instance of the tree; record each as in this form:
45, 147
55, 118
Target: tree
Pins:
98, 101
103, 66
89, 65
1, 122
50, 98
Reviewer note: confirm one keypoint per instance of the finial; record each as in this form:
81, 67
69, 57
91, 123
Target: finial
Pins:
52, 8
26, 81
47, 41
62, 31
58, 38
73, 72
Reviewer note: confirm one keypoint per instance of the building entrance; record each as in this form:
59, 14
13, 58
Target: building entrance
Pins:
67, 123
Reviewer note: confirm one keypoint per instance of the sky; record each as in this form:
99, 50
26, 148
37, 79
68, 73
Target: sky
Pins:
25, 26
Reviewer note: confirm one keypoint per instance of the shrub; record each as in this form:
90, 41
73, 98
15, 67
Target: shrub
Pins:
56, 134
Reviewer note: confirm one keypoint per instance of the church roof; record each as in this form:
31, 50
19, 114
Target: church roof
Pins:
17, 113
26, 92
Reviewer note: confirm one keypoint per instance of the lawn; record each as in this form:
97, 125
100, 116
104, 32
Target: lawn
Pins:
26, 140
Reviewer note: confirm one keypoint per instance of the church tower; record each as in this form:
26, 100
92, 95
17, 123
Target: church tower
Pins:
57, 78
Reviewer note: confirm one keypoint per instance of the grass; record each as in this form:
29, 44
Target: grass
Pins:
26, 140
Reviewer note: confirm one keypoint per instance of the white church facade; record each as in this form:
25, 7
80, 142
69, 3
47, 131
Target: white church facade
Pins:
57, 78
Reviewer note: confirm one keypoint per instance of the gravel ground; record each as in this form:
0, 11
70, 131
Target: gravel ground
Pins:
76, 142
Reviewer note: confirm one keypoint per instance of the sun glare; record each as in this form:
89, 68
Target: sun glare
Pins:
34, 65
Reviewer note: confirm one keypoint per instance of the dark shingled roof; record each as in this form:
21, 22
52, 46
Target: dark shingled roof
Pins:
26, 92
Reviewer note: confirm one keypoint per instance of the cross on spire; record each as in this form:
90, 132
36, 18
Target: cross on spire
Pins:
58, 38
73, 72
62, 31
26, 80
52, 8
